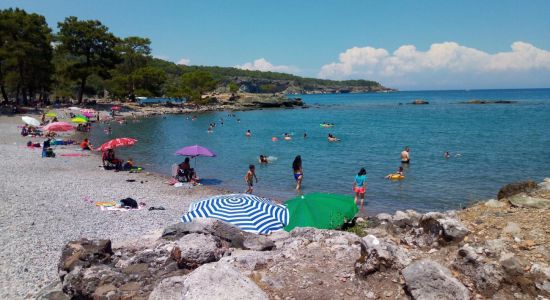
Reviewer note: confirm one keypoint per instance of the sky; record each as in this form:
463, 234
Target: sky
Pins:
409, 45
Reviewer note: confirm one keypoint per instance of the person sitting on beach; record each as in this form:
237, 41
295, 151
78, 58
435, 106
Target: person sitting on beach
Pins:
332, 138
263, 159
109, 157
287, 137
397, 175
85, 145
249, 178
248, 133
45, 146
130, 166
405, 158
184, 173
193, 177
24, 130
30, 144
360, 186
54, 120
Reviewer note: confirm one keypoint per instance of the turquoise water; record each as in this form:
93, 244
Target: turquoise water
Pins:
497, 143
159, 100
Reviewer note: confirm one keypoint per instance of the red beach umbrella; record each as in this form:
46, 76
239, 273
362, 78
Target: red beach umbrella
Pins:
115, 107
115, 143
59, 127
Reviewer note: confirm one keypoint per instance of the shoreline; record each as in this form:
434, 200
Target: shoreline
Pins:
47, 204
46, 207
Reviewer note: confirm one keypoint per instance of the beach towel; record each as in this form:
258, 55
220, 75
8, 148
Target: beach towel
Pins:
114, 208
74, 154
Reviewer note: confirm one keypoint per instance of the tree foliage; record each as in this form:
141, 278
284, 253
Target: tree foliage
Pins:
25, 55
90, 49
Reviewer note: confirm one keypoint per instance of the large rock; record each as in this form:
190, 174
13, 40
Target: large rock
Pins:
401, 219
170, 288
196, 249
515, 188
210, 281
523, 200
541, 273
379, 254
444, 228
258, 243
487, 277
511, 264
84, 253
222, 230
428, 280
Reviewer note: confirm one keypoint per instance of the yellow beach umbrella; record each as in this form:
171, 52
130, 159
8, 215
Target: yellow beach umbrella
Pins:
79, 120
51, 114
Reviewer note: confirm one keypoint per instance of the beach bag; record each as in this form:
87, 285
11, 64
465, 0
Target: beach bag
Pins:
129, 202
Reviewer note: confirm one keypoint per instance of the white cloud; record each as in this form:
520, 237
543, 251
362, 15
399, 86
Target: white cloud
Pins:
262, 64
184, 61
442, 64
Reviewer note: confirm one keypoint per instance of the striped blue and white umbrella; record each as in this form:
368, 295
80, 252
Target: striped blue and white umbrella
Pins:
248, 212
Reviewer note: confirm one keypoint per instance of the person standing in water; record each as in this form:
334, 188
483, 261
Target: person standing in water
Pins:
249, 178
360, 186
405, 158
298, 172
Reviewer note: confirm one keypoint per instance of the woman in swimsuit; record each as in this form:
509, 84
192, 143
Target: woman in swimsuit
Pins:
360, 186
298, 172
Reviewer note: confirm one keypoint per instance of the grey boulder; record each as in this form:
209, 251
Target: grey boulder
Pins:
428, 280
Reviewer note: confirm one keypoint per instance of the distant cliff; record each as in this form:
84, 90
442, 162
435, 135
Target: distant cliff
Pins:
257, 82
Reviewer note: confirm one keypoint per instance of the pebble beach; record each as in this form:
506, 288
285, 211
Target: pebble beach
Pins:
47, 202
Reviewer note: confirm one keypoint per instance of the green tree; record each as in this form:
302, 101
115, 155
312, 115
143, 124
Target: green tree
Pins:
25, 55
233, 87
195, 84
90, 48
133, 76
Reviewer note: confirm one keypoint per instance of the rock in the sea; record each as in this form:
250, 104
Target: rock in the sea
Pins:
523, 200
515, 188
420, 101
428, 280
210, 281
380, 254
196, 249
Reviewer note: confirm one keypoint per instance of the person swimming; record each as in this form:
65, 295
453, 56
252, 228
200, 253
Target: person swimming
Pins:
263, 159
397, 175
332, 138
287, 137
248, 133
447, 155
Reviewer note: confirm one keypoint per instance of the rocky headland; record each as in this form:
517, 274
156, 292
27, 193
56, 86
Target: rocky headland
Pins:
493, 250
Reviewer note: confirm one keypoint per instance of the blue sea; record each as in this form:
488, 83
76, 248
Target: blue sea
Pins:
490, 145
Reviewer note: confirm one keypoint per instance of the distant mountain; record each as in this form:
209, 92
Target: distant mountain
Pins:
271, 82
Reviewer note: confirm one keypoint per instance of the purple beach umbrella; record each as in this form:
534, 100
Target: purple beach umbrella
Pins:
194, 151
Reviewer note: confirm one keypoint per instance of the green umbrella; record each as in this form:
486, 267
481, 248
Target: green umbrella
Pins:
323, 211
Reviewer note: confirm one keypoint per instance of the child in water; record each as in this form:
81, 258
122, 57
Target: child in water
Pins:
263, 159
249, 178
360, 186
398, 174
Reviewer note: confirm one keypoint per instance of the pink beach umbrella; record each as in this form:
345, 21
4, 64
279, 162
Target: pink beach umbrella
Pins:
87, 114
194, 151
115, 143
59, 127
115, 107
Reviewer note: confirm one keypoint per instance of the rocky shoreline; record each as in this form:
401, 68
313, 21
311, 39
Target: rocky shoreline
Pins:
493, 250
